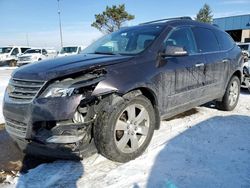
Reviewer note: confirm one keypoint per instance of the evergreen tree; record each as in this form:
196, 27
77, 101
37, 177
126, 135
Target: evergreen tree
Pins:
205, 14
112, 19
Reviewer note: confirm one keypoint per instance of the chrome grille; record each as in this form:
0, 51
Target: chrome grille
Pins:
23, 90
16, 128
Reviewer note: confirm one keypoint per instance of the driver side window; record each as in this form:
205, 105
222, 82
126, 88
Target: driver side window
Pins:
182, 37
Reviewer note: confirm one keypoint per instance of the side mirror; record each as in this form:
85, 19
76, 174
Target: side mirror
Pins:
174, 51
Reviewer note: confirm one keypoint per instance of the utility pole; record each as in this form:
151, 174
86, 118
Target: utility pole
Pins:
27, 39
60, 24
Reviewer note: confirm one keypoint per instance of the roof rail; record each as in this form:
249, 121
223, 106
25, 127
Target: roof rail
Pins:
215, 25
168, 19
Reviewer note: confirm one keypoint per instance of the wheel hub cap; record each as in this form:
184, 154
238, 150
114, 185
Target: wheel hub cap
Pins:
131, 128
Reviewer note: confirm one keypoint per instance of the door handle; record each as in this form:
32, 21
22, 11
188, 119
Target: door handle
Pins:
199, 65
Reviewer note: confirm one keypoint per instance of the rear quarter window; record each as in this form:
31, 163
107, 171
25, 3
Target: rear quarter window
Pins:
225, 40
206, 40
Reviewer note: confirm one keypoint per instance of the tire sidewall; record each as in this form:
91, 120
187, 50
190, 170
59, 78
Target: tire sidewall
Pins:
234, 78
111, 150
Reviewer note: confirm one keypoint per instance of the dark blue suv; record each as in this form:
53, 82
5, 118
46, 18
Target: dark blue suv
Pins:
113, 96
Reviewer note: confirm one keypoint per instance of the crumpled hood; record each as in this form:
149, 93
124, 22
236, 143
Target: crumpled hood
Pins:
58, 67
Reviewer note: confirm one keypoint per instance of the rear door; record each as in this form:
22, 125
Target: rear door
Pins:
215, 60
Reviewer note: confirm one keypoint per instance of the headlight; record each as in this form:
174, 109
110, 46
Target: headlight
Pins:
62, 88
58, 92
71, 86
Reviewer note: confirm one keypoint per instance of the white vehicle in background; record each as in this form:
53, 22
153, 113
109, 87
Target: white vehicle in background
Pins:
9, 54
245, 47
246, 75
52, 52
70, 50
32, 55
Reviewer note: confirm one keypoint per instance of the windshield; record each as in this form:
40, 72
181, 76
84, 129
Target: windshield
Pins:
68, 50
129, 41
33, 51
5, 50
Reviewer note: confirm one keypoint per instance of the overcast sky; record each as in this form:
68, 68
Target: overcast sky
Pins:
37, 20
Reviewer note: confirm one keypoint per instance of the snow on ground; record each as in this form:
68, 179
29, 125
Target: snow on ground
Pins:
206, 148
7, 68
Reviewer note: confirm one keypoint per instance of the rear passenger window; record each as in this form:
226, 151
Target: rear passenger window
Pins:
225, 41
206, 40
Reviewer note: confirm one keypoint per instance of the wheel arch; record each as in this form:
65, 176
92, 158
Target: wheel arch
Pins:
237, 73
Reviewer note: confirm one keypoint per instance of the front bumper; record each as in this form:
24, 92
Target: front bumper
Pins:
32, 124
55, 151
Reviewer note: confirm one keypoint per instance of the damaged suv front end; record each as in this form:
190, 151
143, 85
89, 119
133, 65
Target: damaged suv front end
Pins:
53, 118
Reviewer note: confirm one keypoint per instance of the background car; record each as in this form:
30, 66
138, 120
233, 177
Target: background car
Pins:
245, 47
246, 75
10, 54
32, 55
70, 50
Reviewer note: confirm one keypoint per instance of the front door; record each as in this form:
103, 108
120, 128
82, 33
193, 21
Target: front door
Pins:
183, 76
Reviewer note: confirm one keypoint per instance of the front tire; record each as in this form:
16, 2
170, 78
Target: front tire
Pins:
124, 133
231, 96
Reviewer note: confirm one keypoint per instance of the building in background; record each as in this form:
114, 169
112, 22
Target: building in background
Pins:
237, 26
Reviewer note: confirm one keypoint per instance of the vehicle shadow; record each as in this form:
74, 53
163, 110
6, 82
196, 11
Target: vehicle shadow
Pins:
244, 91
213, 153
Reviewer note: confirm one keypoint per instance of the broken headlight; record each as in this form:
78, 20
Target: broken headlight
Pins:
59, 92
70, 86
63, 88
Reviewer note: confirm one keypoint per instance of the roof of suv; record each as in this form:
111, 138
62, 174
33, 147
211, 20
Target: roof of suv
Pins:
180, 21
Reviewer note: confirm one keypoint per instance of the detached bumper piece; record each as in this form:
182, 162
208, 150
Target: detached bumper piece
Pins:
61, 141
55, 151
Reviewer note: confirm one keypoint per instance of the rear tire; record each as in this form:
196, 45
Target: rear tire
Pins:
231, 96
124, 132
